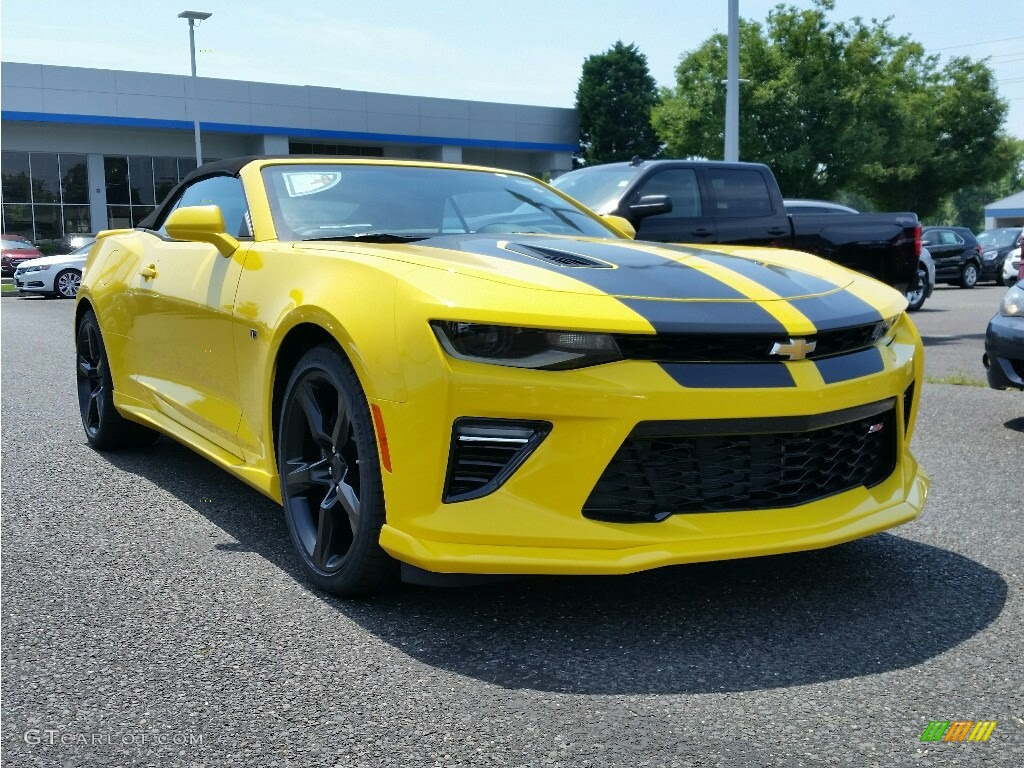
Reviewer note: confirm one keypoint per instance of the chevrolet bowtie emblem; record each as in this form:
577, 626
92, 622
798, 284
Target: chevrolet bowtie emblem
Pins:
794, 349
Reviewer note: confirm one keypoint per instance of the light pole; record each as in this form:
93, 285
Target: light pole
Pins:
732, 88
193, 17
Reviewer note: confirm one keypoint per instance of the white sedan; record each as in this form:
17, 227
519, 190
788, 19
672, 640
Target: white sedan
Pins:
57, 276
1011, 266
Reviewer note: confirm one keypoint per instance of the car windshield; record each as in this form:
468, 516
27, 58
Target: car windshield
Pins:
999, 238
389, 203
597, 188
15, 244
82, 250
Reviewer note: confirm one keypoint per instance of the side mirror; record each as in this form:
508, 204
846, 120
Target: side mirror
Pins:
621, 224
651, 205
202, 223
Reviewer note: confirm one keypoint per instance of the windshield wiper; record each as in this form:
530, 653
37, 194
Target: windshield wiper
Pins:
545, 207
372, 237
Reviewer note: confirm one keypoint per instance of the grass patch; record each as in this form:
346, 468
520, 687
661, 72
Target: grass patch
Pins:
9, 288
957, 379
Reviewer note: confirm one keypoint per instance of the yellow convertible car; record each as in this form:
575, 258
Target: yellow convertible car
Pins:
449, 369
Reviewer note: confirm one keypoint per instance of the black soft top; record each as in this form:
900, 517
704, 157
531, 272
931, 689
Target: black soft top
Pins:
230, 167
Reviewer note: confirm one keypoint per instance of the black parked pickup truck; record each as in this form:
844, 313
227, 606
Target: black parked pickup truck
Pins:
699, 202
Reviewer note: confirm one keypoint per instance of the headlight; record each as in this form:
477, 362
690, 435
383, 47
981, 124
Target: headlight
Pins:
885, 332
989, 255
525, 347
35, 268
1012, 304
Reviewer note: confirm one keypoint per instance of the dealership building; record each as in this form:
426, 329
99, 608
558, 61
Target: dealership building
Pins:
91, 149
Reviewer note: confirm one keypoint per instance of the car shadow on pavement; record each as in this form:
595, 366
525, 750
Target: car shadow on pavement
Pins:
870, 606
933, 341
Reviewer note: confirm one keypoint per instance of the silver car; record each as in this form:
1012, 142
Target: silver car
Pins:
57, 276
925, 283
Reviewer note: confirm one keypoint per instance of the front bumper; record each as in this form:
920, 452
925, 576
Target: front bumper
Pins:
991, 270
533, 522
34, 282
1004, 352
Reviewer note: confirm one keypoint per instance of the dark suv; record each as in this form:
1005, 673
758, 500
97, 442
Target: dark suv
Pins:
996, 245
957, 255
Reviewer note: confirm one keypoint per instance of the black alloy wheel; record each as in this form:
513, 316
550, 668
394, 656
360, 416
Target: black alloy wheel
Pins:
105, 428
330, 477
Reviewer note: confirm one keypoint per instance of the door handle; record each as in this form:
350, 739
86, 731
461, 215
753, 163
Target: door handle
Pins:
701, 232
776, 231
148, 273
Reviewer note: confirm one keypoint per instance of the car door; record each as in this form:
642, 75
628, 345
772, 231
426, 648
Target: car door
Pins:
946, 248
183, 326
688, 221
744, 210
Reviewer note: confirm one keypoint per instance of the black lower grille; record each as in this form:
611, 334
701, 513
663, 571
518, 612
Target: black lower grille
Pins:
486, 452
673, 467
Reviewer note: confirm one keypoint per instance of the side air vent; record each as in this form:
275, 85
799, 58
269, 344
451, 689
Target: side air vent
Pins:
562, 258
486, 452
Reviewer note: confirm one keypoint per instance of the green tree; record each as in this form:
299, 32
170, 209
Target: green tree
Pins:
966, 206
614, 100
841, 107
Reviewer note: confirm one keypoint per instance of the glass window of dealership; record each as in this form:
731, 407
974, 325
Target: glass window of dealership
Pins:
46, 194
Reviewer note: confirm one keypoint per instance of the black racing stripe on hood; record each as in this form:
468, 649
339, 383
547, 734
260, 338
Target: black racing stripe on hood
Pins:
706, 316
846, 367
639, 273
786, 282
730, 375
836, 310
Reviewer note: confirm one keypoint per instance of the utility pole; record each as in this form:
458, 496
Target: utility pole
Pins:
192, 17
732, 88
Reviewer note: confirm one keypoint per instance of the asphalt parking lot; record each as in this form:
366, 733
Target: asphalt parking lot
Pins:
153, 615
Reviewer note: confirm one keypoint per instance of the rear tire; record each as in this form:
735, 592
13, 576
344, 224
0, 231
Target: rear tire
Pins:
330, 477
969, 275
916, 294
105, 428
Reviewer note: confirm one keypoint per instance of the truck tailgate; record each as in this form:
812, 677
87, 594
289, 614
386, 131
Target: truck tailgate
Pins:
883, 245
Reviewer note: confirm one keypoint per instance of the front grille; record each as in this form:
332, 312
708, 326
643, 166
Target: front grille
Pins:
740, 347
486, 452
726, 465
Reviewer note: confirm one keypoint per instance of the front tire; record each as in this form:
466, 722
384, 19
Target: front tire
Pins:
66, 284
969, 275
105, 428
330, 477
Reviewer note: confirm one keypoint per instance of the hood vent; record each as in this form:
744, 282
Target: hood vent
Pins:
555, 256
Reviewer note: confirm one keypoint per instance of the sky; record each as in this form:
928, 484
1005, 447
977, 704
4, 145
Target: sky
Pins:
526, 51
